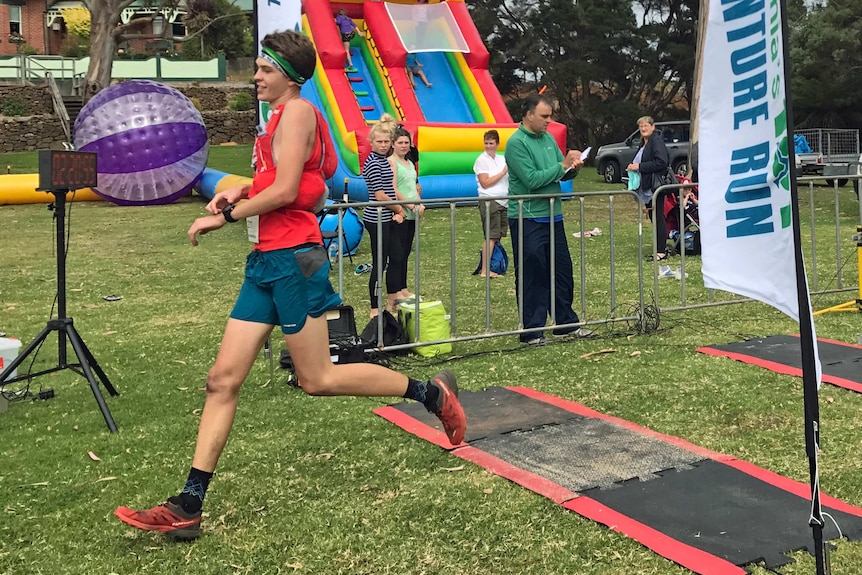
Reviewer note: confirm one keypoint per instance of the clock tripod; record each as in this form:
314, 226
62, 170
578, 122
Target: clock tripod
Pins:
87, 366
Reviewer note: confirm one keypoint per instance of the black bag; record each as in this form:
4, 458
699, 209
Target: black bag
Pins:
393, 331
663, 178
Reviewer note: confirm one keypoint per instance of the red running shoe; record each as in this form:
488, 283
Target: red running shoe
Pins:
168, 518
449, 409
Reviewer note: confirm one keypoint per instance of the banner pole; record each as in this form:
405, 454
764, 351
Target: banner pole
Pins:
806, 332
257, 39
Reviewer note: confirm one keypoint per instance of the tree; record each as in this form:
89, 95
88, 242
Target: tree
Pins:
216, 30
601, 66
826, 56
107, 29
669, 28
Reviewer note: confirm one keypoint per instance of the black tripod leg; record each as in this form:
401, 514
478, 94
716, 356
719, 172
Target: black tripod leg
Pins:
31, 347
96, 367
82, 353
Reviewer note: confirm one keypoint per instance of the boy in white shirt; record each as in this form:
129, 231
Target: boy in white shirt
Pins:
492, 176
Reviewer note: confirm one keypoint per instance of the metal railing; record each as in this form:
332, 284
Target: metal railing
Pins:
615, 275
29, 69
59, 106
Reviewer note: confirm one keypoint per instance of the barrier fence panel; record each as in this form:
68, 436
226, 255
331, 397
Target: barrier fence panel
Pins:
613, 285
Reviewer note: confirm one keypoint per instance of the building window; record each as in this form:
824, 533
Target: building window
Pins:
15, 20
178, 29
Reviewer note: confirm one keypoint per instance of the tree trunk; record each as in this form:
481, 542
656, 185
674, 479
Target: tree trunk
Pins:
104, 21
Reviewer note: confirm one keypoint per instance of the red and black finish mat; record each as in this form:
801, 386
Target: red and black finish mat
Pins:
707, 511
841, 362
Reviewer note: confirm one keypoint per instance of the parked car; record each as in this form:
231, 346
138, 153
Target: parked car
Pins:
612, 159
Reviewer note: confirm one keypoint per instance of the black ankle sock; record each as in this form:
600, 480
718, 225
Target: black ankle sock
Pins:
422, 392
192, 496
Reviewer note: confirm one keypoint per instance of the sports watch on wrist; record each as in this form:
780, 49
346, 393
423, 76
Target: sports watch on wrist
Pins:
227, 212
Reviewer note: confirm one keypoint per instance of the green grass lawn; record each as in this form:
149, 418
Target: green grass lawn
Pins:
321, 485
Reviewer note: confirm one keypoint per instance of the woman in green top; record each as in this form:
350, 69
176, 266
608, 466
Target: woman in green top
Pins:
407, 188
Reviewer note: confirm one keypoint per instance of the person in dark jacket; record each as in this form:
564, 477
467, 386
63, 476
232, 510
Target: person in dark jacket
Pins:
652, 158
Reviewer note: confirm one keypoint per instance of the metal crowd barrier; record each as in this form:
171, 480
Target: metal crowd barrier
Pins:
682, 300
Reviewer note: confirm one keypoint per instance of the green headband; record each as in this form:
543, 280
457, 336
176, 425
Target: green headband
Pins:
282, 65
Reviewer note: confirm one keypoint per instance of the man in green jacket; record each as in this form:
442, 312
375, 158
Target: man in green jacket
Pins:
536, 166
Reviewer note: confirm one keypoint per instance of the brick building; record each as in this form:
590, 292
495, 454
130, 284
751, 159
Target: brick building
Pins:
22, 22
39, 24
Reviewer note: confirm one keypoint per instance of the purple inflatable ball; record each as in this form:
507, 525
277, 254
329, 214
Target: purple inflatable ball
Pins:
150, 139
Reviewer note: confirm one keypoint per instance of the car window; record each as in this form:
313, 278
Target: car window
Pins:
686, 134
675, 134
670, 134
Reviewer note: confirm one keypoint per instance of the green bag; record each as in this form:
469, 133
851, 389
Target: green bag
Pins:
433, 325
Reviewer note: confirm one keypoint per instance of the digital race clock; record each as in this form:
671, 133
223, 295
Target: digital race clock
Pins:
66, 170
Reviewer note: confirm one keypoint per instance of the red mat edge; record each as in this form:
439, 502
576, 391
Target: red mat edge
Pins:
689, 557
835, 341
782, 368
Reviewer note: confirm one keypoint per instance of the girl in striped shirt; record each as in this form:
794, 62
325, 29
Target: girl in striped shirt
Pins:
380, 221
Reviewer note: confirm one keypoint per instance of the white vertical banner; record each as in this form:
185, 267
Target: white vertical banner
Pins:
744, 170
274, 15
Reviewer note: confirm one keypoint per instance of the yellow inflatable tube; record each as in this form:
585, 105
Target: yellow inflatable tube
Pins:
462, 139
230, 181
21, 189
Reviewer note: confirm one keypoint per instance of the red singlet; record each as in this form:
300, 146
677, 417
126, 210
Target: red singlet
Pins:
294, 224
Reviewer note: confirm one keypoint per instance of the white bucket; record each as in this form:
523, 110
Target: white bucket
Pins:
8, 352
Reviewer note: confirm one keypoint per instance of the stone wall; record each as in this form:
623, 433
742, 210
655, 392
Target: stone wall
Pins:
214, 98
27, 133
24, 133
226, 126
36, 98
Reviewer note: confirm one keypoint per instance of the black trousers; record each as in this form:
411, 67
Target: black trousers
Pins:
402, 235
656, 205
392, 258
538, 252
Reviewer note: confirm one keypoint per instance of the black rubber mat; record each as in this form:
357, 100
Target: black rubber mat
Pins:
584, 452
704, 510
494, 411
726, 512
841, 362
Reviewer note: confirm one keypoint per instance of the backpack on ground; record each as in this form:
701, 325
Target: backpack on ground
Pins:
393, 331
499, 261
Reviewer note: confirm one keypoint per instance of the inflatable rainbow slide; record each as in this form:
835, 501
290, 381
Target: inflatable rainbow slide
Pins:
447, 121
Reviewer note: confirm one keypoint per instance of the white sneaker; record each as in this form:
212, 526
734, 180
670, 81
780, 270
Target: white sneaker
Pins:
665, 272
584, 332
677, 273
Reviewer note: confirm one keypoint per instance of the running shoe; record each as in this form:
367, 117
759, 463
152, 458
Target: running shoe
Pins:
169, 518
665, 272
449, 409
